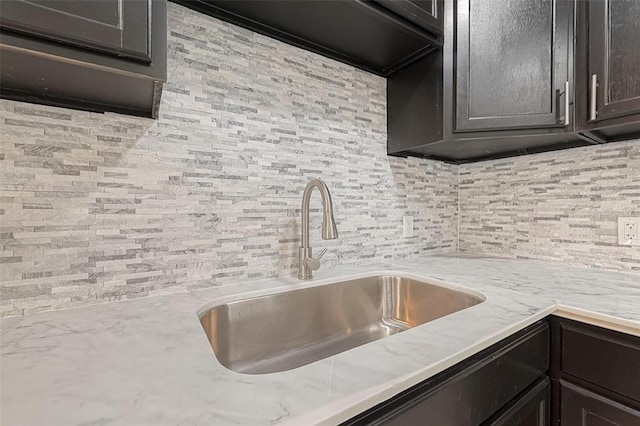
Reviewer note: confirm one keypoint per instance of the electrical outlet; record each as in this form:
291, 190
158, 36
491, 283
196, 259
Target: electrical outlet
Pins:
407, 226
629, 231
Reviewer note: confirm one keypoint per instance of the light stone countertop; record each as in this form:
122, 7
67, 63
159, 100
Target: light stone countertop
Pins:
148, 362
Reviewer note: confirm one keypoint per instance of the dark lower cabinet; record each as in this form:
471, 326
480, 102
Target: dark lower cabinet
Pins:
533, 408
507, 378
556, 372
581, 407
595, 375
604, 358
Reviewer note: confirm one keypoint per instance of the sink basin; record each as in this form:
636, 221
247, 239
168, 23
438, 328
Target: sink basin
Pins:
282, 331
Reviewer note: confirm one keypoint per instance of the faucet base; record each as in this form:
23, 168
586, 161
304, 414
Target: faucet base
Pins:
304, 272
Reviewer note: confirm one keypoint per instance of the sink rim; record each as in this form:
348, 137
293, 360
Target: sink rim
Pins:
290, 285
301, 285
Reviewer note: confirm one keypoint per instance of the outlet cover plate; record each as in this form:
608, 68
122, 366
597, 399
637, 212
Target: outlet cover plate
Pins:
629, 231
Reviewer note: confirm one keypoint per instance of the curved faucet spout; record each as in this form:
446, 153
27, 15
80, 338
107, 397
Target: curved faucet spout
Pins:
329, 229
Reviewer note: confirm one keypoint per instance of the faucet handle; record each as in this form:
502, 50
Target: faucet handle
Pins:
313, 263
321, 254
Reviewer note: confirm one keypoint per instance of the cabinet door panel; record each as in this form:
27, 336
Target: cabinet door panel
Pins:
583, 408
471, 392
614, 58
531, 409
424, 13
511, 64
120, 27
613, 362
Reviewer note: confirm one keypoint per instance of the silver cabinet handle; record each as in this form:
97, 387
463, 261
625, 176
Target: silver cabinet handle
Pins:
566, 103
565, 93
593, 110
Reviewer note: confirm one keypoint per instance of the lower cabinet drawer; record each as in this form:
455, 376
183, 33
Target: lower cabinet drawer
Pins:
471, 392
604, 358
532, 408
580, 407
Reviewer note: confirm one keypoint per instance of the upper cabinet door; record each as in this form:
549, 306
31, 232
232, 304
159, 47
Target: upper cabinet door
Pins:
614, 58
361, 33
427, 14
119, 27
512, 64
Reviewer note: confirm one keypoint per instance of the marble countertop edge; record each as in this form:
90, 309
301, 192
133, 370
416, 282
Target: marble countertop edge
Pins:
598, 319
342, 410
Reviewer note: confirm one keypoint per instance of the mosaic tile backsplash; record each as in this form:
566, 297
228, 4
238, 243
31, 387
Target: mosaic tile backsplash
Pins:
559, 206
103, 207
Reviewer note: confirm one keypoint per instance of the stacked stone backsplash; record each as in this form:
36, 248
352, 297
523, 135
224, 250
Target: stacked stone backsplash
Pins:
559, 206
102, 207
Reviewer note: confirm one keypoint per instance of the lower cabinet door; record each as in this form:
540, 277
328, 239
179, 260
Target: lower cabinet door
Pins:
579, 407
471, 392
532, 408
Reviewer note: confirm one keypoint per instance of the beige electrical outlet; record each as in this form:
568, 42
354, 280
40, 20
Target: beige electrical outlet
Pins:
629, 231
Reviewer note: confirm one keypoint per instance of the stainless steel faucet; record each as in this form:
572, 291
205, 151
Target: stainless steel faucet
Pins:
329, 230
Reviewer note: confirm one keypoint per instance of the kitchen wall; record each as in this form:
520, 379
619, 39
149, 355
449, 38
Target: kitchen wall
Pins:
102, 207
559, 206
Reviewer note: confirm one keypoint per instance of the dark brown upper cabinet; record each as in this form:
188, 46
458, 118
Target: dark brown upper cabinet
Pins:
113, 26
502, 84
103, 55
512, 64
609, 32
365, 34
519, 77
427, 14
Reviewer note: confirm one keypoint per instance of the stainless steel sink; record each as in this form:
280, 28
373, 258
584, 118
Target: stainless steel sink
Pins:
282, 331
